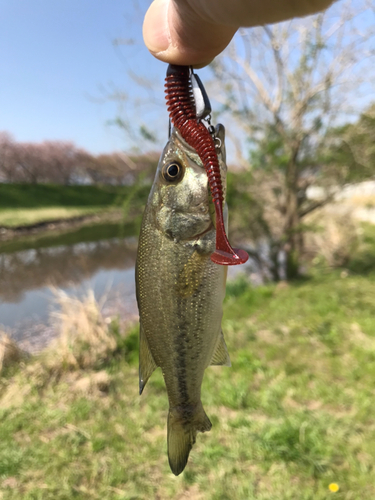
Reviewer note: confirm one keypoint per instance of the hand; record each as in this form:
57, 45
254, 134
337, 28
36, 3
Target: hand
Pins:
193, 32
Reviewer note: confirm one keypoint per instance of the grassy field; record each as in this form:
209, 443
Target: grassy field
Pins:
293, 418
27, 204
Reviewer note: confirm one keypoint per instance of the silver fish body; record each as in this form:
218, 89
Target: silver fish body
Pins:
180, 291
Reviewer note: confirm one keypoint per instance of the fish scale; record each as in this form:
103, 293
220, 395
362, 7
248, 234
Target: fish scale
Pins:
180, 292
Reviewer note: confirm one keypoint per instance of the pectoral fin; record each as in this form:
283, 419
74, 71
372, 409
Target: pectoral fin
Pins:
146, 362
221, 355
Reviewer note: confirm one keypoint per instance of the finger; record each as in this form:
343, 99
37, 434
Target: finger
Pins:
176, 35
248, 13
193, 32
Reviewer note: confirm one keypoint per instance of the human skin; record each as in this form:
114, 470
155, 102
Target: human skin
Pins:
194, 32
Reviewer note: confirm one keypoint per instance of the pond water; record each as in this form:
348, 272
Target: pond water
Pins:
98, 257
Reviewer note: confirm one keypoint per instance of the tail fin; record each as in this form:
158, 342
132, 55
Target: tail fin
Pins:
183, 425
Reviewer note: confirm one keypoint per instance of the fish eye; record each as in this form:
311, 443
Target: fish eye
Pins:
172, 172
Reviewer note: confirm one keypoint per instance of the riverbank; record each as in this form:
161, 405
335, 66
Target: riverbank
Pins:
291, 418
30, 209
69, 221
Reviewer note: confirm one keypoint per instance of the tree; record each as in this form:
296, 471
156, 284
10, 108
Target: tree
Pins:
351, 147
285, 86
49, 161
59, 161
118, 167
30, 166
7, 157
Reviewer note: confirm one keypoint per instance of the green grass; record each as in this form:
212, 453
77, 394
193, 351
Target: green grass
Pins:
28, 204
22, 217
294, 413
48, 195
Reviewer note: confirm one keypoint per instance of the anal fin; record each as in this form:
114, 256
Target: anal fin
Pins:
221, 355
146, 361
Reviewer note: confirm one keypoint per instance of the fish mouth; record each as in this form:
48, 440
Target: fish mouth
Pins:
200, 235
188, 150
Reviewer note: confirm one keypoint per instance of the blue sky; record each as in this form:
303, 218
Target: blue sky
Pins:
59, 66
58, 63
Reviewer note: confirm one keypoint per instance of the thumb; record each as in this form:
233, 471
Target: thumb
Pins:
176, 34
193, 32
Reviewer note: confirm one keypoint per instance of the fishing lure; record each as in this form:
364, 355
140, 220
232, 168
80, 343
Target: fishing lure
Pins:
188, 105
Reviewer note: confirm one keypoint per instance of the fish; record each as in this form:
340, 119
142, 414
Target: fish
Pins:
180, 291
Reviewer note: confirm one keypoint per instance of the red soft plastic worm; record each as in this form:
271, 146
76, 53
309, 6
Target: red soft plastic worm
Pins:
181, 108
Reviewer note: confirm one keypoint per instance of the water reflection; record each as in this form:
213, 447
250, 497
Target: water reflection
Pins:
61, 266
95, 257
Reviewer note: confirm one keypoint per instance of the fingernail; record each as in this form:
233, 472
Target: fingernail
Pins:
155, 27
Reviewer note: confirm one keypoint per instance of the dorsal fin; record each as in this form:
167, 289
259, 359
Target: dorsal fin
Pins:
146, 361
